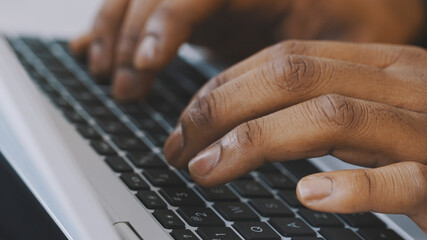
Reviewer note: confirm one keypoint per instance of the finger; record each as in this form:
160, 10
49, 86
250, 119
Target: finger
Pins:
128, 83
376, 55
396, 189
331, 124
282, 83
131, 84
131, 30
105, 30
169, 27
80, 46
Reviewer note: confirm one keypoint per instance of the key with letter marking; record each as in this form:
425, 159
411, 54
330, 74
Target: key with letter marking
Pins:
256, 231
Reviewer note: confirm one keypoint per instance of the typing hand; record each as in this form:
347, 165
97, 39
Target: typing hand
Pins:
133, 39
363, 103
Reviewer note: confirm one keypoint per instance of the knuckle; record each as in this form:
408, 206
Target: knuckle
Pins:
127, 44
249, 133
419, 172
219, 80
130, 36
294, 73
201, 112
369, 179
167, 13
414, 176
336, 111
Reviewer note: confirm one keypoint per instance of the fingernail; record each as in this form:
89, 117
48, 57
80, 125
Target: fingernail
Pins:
95, 57
315, 188
206, 161
146, 53
174, 145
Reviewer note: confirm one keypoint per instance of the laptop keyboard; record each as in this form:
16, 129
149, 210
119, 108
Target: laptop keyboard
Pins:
260, 205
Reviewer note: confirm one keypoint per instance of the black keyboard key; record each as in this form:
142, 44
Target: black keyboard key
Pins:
300, 168
246, 177
61, 103
181, 197
186, 174
320, 219
160, 104
235, 211
217, 233
118, 164
339, 234
85, 97
88, 132
271, 208
290, 197
186, 73
379, 234
74, 117
168, 219
219, 193
146, 159
183, 234
268, 168
133, 181
62, 73
135, 110
277, 181
35, 45
114, 127
102, 147
51, 63
366, 219
151, 200
130, 144
200, 217
172, 118
72, 84
158, 138
292, 227
145, 122
250, 189
163, 178
306, 238
100, 112
49, 90
255, 231
37, 78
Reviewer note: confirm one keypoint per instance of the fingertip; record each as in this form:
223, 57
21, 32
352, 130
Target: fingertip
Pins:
80, 45
129, 85
174, 145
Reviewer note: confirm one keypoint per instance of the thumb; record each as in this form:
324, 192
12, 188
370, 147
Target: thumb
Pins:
397, 189
168, 27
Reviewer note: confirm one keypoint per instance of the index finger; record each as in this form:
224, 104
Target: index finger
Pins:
169, 26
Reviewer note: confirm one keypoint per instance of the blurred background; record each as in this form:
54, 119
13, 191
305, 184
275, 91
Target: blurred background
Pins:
59, 18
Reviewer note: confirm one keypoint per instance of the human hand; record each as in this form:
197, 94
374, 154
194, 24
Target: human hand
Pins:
363, 103
133, 39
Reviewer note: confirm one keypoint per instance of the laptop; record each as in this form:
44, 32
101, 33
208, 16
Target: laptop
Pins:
96, 164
